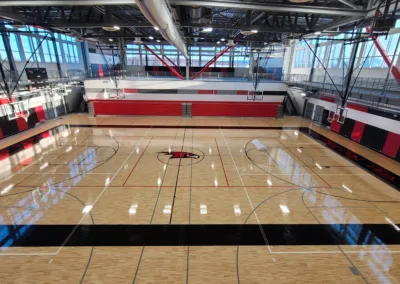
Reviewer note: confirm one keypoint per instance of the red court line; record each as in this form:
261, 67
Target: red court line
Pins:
219, 154
137, 161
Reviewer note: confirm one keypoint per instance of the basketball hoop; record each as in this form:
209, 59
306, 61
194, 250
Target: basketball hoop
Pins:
337, 113
24, 115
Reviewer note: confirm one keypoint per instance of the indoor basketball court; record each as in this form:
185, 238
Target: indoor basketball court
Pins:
100, 203
186, 141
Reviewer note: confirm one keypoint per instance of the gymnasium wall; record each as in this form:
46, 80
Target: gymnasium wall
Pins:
166, 98
40, 108
376, 132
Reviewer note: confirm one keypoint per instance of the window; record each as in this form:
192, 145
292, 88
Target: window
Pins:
334, 55
241, 61
60, 57
48, 51
30, 44
321, 56
3, 53
15, 47
71, 53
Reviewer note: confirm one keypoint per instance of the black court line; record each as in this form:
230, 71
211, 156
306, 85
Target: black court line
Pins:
199, 235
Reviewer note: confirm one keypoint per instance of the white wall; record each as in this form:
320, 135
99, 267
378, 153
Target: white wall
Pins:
185, 84
97, 89
367, 118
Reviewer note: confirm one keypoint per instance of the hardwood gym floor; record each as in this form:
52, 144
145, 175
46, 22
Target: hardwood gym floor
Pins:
175, 200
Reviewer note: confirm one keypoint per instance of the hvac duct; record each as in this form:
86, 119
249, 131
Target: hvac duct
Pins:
158, 14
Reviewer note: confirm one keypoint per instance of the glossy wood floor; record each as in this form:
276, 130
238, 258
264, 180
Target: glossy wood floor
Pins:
58, 193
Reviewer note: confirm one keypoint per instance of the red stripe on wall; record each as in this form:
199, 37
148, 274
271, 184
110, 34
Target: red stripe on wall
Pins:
242, 92
126, 107
207, 92
22, 125
40, 113
137, 108
234, 109
357, 107
130, 91
1, 133
4, 101
392, 145
358, 131
328, 99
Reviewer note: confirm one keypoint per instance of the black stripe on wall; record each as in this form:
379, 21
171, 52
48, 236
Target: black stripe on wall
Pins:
374, 137
347, 128
8, 127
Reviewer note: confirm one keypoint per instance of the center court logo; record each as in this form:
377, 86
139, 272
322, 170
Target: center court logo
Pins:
180, 158
180, 155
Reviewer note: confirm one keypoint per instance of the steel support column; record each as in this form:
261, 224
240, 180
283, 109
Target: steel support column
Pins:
10, 56
313, 61
53, 39
349, 74
395, 71
165, 63
211, 62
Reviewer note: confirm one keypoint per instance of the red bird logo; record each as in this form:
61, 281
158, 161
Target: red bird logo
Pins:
180, 155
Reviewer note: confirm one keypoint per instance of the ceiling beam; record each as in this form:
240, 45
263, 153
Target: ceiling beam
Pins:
64, 2
260, 29
285, 8
91, 25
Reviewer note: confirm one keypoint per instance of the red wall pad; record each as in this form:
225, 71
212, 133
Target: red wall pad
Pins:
234, 109
137, 108
392, 145
358, 131
335, 127
40, 113
22, 125
1, 133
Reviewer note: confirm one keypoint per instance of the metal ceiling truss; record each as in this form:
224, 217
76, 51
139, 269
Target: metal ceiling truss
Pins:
274, 20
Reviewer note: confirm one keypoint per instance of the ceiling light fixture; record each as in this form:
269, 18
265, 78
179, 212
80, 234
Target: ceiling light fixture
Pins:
156, 28
218, 42
116, 28
317, 33
254, 31
157, 40
110, 39
222, 39
150, 37
207, 30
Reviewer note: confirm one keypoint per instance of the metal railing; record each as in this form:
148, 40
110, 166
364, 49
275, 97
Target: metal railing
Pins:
167, 75
52, 76
390, 85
